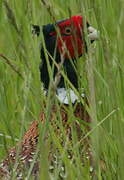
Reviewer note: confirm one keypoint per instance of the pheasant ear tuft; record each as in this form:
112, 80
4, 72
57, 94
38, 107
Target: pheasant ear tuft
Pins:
35, 29
47, 29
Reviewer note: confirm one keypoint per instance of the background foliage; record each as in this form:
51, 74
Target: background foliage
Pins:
20, 87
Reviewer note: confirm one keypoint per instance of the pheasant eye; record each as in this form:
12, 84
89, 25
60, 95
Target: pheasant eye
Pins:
68, 30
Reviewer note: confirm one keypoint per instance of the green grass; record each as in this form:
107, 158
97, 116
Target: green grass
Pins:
103, 79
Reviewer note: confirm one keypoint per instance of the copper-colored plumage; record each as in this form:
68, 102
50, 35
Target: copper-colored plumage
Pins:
28, 146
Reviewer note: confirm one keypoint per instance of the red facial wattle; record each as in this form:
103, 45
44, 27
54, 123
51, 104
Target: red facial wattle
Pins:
70, 45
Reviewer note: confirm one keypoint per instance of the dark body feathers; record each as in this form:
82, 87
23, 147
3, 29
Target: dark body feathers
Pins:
69, 65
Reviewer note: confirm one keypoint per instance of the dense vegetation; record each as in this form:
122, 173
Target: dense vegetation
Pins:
102, 73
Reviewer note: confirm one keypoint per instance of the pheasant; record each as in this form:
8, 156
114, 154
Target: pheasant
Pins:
64, 44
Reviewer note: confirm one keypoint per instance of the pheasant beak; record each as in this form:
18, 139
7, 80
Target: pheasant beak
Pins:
92, 34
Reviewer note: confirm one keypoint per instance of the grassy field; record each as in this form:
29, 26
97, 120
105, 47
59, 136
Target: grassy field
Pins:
103, 78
